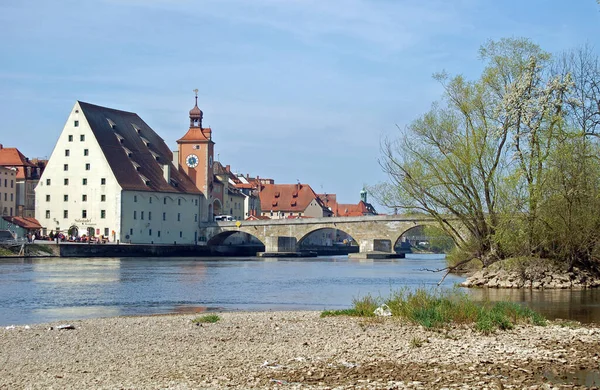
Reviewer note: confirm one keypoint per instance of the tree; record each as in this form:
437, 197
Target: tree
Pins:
478, 156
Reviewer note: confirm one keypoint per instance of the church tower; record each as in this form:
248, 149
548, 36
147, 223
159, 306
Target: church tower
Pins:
196, 150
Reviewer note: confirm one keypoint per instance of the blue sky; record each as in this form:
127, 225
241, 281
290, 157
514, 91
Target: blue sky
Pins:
293, 89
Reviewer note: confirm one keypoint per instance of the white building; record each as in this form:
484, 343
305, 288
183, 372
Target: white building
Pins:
111, 175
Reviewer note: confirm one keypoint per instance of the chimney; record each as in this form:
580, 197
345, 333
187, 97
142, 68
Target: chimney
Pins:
1, 147
167, 172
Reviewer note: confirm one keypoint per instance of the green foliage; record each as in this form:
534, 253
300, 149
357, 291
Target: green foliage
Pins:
507, 163
206, 319
440, 308
39, 248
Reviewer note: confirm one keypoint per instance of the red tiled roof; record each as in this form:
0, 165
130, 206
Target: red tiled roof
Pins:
257, 217
353, 210
28, 223
286, 197
12, 157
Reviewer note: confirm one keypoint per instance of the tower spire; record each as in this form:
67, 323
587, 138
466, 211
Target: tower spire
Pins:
196, 113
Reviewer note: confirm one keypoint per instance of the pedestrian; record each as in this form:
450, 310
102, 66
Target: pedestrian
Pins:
33, 238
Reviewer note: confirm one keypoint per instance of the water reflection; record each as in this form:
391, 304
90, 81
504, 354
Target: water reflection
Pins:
577, 305
42, 290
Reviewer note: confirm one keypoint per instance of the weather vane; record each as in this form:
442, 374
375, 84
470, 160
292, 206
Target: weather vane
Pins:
196, 92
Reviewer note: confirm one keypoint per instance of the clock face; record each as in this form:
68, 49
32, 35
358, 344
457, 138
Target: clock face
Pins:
192, 161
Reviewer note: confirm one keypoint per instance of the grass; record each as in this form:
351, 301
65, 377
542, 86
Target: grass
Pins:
437, 309
207, 319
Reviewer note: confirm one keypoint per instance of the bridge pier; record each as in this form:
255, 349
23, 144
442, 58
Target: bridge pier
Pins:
375, 249
283, 246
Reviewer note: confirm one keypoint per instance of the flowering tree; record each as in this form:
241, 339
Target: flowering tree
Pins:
480, 156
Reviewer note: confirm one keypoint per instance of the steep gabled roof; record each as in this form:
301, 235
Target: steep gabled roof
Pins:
12, 157
287, 197
127, 143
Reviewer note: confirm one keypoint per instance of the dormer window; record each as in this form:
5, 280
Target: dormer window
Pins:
120, 138
295, 194
274, 203
145, 141
155, 155
145, 180
277, 194
136, 165
136, 128
293, 203
111, 123
127, 151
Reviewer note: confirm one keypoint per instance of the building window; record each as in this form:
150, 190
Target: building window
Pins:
87, 166
47, 198
66, 167
164, 200
158, 233
105, 232
141, 215
84, 198
86, 152
131, 232
149, 215
66, 181
65, 214
47, 214
81, 137
178, 217
150, 200
134, 198
76, 123
102, 181
180, 234
196, 203
102, 214
84, 181
195, 217
102, 198
178, 202
149, 232
67, 152
47, 182
70, 138
66, 198
164, 216
83, 213
134, 214
11, 199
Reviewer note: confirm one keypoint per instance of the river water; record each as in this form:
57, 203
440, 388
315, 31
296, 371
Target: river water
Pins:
57, 289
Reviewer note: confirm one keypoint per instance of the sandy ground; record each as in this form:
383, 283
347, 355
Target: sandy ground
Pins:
292, 350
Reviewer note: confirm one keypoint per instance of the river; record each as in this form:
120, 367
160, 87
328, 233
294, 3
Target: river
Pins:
57, 289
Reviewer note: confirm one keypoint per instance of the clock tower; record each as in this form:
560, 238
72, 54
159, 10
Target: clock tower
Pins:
196, 150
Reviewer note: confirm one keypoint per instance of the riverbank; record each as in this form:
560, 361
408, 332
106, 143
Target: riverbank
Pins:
533, 274
288, 350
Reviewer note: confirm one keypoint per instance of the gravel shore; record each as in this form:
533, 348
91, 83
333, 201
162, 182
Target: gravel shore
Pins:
292, 350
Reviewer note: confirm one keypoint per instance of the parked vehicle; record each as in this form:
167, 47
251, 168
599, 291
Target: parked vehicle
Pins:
224, 218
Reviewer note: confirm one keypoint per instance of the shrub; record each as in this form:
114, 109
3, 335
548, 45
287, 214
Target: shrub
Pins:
207, 319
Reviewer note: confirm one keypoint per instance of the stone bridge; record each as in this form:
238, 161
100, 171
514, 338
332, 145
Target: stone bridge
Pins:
373, 233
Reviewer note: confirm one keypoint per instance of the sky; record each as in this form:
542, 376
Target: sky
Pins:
294, 90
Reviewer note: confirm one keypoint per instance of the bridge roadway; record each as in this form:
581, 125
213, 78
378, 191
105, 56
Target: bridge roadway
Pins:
373, 233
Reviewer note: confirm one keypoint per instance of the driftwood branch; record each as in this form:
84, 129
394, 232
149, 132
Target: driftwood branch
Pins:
448, 269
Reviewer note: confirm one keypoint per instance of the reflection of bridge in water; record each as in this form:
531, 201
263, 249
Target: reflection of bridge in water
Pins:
378, 233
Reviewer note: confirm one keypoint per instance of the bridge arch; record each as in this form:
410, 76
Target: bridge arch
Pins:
222, 237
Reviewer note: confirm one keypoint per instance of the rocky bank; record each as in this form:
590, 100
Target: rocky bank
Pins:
537, 275
293, 350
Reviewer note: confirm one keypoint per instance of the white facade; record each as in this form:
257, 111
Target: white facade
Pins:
78, 189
